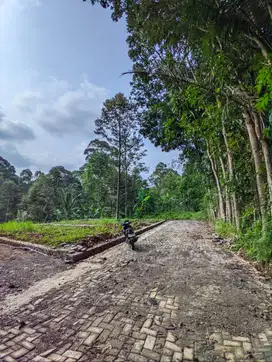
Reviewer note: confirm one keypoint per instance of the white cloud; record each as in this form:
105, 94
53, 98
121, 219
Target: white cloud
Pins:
61, 109
14, 131
10, 153
54, 124
62, 118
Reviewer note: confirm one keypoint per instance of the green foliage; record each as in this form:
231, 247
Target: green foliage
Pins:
257, 246
10, 195
202, 79
225, 229
14, 227
55, 235
186, 215
264, 88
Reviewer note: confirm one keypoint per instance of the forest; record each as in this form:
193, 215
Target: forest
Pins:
202, 78
109, 184
202, 82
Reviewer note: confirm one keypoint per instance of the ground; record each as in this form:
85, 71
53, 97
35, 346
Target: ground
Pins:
179, 297
19, 269
67, 233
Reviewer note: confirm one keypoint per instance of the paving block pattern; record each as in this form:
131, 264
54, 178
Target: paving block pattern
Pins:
88, 321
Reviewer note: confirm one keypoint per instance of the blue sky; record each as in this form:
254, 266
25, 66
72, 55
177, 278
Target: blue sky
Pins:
60, 59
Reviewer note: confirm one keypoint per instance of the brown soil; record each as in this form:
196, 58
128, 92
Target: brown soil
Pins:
19, 269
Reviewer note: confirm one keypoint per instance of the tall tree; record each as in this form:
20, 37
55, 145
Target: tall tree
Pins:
10, 195
118, 126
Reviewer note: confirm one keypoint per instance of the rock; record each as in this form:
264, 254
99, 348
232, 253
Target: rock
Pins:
153, 301
22, 325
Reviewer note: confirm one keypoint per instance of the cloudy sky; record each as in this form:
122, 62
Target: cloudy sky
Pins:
59, 60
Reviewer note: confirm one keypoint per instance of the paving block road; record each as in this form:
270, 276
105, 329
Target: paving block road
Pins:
178, 297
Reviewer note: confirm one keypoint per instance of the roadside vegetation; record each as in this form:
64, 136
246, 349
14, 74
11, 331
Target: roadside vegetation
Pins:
202, 79
54, 235
201, 85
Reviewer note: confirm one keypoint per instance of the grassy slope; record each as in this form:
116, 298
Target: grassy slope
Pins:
54, 235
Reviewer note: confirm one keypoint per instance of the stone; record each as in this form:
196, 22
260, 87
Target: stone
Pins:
95, 330
20, 353
28, 345
241, 339
91, 339
149, 331
232, 343
147, 323
137, 358
9, 359
138, 346
177, 357
151, 354
217, 337
165, 359
72, 354
188, 353
104, 336
171, 337
247, 347
230, 357
262, 337
150, 342
172, 346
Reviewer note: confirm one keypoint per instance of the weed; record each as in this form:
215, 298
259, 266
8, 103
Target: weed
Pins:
54, 235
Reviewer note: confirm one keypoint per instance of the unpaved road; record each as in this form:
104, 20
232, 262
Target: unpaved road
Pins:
179, 297
19, 269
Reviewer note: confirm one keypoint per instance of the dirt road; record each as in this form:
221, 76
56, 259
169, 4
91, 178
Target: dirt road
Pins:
179, 297
19, 269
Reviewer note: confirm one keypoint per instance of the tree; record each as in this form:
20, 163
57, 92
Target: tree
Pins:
99, 181
7, 171
118, 128
26, 176
39, 203
202, 76
9, 199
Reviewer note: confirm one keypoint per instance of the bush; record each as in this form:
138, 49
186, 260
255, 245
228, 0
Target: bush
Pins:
225, 229
256, 245
186, 215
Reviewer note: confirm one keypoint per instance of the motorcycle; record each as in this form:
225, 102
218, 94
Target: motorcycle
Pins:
130, 236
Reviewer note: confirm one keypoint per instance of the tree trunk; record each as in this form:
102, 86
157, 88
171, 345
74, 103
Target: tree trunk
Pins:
226, 191
265, 149
119, 174
126, 188
219, 188
235, 206
258, 165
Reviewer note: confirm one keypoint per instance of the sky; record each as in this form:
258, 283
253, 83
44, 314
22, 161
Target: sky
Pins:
59, 61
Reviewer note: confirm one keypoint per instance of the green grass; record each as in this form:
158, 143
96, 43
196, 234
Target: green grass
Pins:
256, 245
185, 215
54, 235
89, 222
225, 229
95, 222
